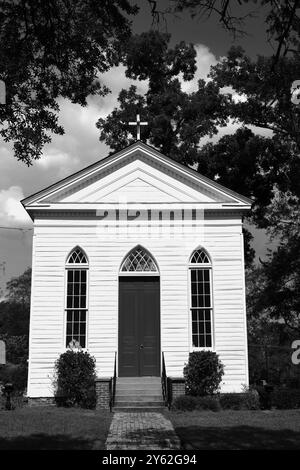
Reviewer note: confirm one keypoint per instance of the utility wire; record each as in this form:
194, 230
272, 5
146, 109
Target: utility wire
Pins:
15, 228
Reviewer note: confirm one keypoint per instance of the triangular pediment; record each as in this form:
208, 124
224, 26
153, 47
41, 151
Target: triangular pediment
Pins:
139, 174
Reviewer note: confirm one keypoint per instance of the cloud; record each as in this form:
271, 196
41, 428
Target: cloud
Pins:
11, 210
115, 79
204, 60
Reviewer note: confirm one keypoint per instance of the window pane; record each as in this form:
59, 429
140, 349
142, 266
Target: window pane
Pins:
76, 288
75, 328
207, 315
201, 341
199, 256
82, 328
77, 256
69, 316
201, 307
194, 301
139, 260
194, 315
68, 339
201, 327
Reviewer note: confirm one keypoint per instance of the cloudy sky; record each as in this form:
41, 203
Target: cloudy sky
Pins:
80, 145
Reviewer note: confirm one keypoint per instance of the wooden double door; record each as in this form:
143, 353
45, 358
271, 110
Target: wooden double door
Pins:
139, 326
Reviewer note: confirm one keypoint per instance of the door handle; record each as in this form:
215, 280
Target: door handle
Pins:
141, 346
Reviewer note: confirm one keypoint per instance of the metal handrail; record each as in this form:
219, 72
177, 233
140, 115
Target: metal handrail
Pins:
113, 385
164, 383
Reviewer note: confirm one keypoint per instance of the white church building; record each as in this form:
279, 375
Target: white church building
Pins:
137, 257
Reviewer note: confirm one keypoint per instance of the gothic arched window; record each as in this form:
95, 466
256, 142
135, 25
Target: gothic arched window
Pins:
139, 260
201, 299
76, 298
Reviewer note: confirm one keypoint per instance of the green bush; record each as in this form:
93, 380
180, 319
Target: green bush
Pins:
190, 403
240, 401
203, 373
284, 398
75, 379
227, 401
15, 374
211, 403
185, 403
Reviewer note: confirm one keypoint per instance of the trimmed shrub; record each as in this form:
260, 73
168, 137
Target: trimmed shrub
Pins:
211, 403
285, 399
190, 403
240, 401
185, 403
75, 379
203, 373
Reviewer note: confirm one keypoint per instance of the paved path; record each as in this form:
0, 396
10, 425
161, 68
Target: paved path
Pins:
141, 431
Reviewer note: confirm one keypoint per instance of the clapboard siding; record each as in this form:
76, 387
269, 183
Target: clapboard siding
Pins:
54, 239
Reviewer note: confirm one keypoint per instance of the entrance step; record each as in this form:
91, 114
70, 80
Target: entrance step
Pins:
138, 393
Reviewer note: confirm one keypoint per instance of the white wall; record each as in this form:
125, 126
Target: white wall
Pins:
55, 238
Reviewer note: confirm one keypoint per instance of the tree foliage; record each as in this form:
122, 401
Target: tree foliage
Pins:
282, 20
19, 288
177, 120
54, 49
272, 164
14, 310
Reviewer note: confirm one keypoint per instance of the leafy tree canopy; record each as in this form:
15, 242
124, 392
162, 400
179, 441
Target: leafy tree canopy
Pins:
14, 310
19, 288
177, 120
282, 20
51, 49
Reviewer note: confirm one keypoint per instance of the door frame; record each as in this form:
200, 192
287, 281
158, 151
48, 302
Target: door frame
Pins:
140, 274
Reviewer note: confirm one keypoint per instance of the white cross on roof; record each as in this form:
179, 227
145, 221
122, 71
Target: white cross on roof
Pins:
138, 125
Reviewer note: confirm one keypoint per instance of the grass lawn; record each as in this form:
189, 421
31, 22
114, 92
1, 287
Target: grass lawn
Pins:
243, 430
53, 428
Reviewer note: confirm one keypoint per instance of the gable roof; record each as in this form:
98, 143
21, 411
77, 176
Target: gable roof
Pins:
137, 151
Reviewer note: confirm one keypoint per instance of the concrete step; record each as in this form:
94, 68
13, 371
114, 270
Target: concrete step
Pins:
138, 387
144, 380
132, 391
139, 399
135, 408
139, 404
138, 393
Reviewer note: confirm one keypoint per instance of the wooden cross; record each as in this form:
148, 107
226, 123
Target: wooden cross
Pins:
138, 125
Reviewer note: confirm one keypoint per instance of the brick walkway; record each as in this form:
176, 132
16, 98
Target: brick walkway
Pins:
141, 431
